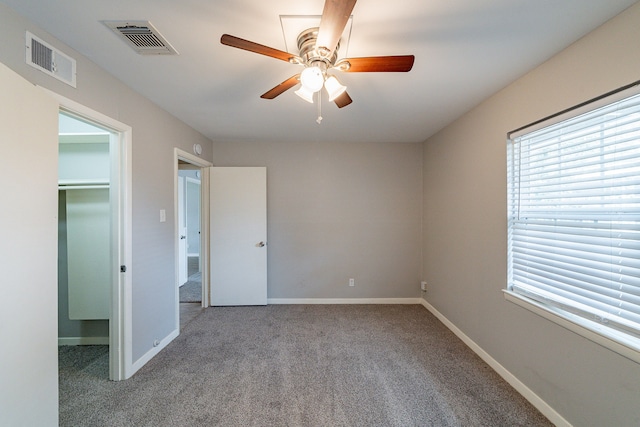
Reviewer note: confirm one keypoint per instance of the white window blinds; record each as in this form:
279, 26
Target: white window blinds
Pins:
574, 216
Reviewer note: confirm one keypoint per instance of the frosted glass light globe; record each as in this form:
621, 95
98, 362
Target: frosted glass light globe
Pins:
305, 94
334, 88
312, 79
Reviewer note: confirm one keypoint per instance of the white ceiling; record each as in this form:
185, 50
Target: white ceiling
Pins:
465, 50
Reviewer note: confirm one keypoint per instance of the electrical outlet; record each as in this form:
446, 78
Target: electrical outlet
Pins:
352, 282
423, 286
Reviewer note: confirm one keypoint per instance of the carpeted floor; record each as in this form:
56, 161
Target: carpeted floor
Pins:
188, 312
300, 365
191, 291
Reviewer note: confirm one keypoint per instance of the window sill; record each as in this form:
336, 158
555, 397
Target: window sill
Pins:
628, 347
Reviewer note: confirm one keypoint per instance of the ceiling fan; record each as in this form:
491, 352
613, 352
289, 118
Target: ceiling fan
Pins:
318, 54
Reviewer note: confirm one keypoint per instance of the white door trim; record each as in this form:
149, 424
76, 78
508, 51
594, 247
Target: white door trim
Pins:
120, 324
181, 155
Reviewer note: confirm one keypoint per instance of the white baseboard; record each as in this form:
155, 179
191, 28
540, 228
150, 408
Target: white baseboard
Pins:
151, 353
520, 387
344, 301
83, 341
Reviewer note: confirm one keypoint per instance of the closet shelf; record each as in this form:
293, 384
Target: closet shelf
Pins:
82, 184
82, 187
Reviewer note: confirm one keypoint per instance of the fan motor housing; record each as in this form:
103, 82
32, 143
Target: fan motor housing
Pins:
309, 53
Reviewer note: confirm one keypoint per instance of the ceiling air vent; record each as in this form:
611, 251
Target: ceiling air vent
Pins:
142, 37
49, 60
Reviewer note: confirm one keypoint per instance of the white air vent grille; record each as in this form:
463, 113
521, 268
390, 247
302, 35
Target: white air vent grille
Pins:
142, 37
49, 60
41, 55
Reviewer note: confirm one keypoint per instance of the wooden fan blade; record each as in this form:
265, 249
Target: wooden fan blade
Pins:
343, 100
282, 87
335, 15
234, 41
372, 64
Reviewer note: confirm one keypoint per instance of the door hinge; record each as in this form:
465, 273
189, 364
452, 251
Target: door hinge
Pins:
123, 269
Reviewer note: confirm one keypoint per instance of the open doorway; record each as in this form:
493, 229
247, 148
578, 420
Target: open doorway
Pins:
84, 244
191, 233
189, 260
94, 236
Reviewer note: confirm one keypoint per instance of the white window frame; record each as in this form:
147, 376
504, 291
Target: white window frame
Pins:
625, 344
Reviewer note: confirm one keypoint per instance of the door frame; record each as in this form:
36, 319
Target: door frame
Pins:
181, 155
120, 321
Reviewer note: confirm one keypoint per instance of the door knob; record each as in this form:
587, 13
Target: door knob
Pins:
260, 245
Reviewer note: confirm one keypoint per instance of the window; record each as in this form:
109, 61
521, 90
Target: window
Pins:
574, 220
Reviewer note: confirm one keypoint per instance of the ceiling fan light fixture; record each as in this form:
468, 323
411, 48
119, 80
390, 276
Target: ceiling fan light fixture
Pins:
318, 48
312, 79
305, 94
334, 88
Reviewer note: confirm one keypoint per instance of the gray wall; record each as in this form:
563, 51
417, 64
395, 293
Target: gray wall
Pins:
338, 211
155, 134
465, 236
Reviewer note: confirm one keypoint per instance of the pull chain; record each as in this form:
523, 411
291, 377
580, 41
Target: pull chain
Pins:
319, 119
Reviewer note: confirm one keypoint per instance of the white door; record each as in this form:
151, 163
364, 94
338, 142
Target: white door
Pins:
182, 237
28, 253
238, 235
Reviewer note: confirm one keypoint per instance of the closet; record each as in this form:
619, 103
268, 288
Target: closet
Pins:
84, 232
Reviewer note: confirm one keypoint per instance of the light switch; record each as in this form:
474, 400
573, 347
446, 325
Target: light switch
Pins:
163, 215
